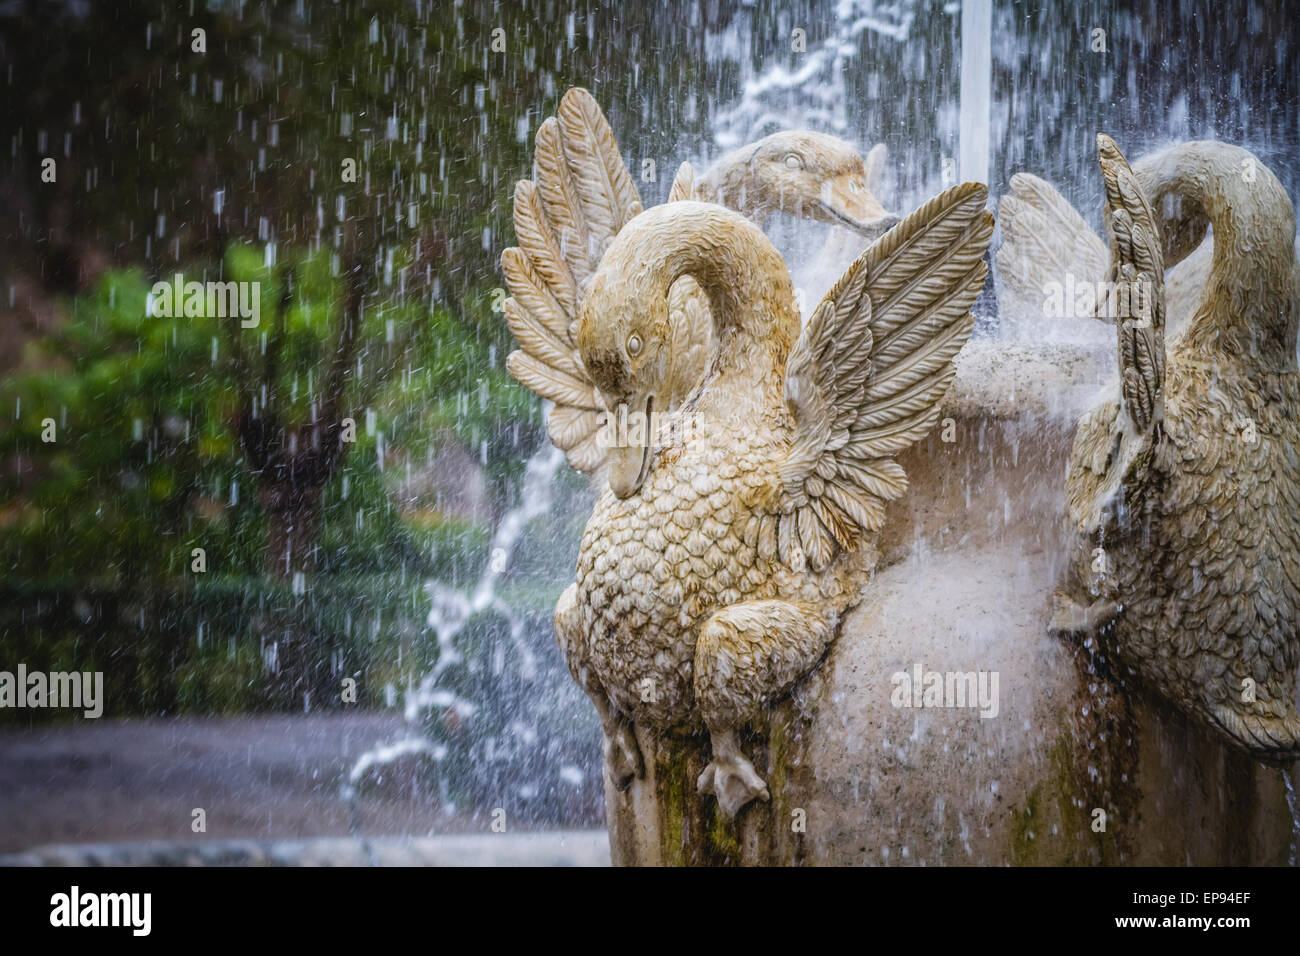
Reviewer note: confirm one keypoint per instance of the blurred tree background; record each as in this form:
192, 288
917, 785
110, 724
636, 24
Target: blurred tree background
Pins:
357, 160
354, 158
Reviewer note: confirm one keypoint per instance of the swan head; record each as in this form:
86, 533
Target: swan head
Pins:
804, 174
625, 331
623, 339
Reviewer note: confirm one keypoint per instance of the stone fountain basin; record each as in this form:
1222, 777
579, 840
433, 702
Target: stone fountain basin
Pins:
1069, 771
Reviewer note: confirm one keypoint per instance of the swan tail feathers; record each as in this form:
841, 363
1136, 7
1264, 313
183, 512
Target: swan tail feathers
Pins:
1270, 738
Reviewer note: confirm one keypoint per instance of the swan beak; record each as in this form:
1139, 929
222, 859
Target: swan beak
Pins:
629, 455
626, 473
850, 204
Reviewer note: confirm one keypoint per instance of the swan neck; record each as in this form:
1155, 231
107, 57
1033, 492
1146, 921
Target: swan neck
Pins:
1250, 305
751, 298
730, 182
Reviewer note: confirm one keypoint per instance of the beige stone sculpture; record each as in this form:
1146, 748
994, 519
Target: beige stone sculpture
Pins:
1044, 240
1184, 483
582, 195
715, 567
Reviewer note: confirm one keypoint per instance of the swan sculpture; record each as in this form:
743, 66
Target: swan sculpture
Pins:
582, 195
1044, 240
1184, 484
715, 567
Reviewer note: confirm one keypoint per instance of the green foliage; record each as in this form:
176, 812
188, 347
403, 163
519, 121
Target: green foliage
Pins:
138, 413
145, 466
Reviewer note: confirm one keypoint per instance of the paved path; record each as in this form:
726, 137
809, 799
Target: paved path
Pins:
556, 848
270, 779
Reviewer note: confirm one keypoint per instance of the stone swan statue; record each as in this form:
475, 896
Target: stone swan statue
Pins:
715, 567
1184, 483
582, 195
1044, 239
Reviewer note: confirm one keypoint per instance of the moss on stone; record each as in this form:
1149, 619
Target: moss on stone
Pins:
1062, 785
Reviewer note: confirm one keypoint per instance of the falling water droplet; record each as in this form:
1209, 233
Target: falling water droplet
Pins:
1293, 803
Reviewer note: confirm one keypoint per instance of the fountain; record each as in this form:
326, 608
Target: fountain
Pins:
947, 724
490, 721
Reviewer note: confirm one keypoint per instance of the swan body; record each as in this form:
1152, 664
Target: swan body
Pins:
1184, 483
715, 566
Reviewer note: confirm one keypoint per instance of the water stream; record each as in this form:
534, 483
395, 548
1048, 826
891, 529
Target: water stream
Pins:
451, 610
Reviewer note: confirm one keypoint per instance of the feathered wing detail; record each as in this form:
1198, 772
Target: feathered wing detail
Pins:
870, 370
1113, 437
1137, 270
580, 196
683, 184
606, 193
1043, 239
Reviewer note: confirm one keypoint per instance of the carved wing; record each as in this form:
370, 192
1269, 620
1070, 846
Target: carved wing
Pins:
866, 379
1043, 239
1113, 436
1137, 268
684, 184
580, 196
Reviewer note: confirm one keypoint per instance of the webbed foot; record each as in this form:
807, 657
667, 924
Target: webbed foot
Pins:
747, 654
622, 754
1071, 617
730, 776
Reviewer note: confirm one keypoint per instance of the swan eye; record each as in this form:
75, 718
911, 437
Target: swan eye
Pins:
794, 161
634, 345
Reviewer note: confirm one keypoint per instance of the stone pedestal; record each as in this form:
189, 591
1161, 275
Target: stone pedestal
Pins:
1072, 769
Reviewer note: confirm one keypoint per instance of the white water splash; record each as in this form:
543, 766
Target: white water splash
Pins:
452, 609
384, 754
812, 95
